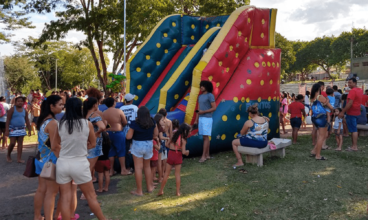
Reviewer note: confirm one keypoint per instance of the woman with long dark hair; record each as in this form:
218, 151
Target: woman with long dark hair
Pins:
142, 131
90, 107
47, 135
319, 119
76, 137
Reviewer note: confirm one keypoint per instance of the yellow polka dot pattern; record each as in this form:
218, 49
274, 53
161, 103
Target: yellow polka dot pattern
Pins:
217, 84
227, 69
263, 21
165, 34
262, 35
138, 69
158, 45
249, 81
174, 40
236, 55
270, 115
186, 82
148, 57
248, 20
207, 26
220, 63
239, 33
148, 75
278, 114
236, 135
192, 37
223, 137
243, 99
139, 87
268, 64
166, 50
277, 130
218, 25
271, 82
249, 118
210, 78
136, 98
224, 118
273, 64
256, 64
238, 117
231, 48
235, 99
274, 98
269, 130
246, 39
259, 99
193, 26
158, 63
247, 100
264, 64
269, 98
262, 82
173, 24
278, 98
176, 96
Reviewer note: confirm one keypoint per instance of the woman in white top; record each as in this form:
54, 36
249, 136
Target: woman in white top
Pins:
77, 136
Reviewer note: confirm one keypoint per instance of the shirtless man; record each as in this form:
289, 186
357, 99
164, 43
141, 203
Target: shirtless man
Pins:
117, 120
168, 123
36, 110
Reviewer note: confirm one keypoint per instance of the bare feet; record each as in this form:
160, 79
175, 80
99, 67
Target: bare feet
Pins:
135, 193
20, 161
99, 190
106, 189
155, 184
202, 160
126, 173
9, 159
178, 194
338, 149
160, 193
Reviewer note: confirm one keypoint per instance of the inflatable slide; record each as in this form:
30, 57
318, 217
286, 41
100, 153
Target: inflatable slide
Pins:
236, 53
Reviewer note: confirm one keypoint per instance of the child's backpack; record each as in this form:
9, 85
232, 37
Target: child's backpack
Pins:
317, 109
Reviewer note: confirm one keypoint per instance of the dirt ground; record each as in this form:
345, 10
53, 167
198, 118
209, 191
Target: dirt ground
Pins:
17, 191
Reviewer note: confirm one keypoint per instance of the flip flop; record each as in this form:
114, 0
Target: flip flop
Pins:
322, 158
128, 174
351, 150
243, 171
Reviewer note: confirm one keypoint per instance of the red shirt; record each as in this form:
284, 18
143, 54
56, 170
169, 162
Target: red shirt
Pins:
296, 109
155, 152
364, 100
324, 94
356, 95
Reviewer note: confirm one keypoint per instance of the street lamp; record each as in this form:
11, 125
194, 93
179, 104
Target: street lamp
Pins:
56, 76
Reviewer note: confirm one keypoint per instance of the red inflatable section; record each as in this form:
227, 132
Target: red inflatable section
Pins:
261, 29
258, 71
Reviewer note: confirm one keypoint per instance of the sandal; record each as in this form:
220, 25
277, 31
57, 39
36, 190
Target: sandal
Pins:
322, 158
243, 171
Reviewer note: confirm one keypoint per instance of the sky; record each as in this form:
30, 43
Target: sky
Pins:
296, 20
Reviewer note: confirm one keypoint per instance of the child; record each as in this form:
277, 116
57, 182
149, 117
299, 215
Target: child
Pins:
175, 126
175, 158
103, 165
331, 99
162, 157
338, 129
154, 160
296, 110
15, 127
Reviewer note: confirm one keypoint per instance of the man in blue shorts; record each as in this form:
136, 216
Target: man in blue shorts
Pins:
206, 106
352, 110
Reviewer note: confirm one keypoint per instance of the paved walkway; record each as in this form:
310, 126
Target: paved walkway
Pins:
302, 131
17, 191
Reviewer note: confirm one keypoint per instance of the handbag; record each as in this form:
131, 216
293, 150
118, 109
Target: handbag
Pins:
30, 170
48, 171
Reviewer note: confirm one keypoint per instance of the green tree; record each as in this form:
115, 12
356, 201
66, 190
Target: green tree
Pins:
12, 18
208, 7
21, 74
302, 64
288, 53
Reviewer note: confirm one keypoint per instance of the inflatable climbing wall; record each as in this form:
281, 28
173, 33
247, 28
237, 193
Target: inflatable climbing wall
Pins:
241, 62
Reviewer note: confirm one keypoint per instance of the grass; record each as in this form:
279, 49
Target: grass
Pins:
296, 187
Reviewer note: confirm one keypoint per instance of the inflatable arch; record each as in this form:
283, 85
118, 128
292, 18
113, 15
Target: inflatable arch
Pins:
241, 62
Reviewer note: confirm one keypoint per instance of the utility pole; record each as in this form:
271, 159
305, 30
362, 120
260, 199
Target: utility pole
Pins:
351, 50
56, 77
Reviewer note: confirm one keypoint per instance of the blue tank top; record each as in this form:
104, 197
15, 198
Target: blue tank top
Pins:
258, 131
18, 118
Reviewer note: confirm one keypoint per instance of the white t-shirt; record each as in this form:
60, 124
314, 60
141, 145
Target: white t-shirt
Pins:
306, 100
6, 107
130, 112
337, 122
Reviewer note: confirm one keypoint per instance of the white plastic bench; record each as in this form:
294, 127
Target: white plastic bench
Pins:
255, 155
362, 130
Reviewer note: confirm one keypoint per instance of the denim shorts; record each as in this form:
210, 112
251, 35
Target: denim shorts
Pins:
96, 151
247, 142
142, 149
320, 122
205, 126
296, 122
351, 121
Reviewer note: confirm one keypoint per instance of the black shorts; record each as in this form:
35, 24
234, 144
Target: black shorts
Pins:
296, 122
2, 125
35, 119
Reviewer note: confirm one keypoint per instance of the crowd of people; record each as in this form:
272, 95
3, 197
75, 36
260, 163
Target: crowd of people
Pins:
330, 110
83, 133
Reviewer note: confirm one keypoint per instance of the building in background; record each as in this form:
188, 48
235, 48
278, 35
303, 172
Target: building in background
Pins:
360, 67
